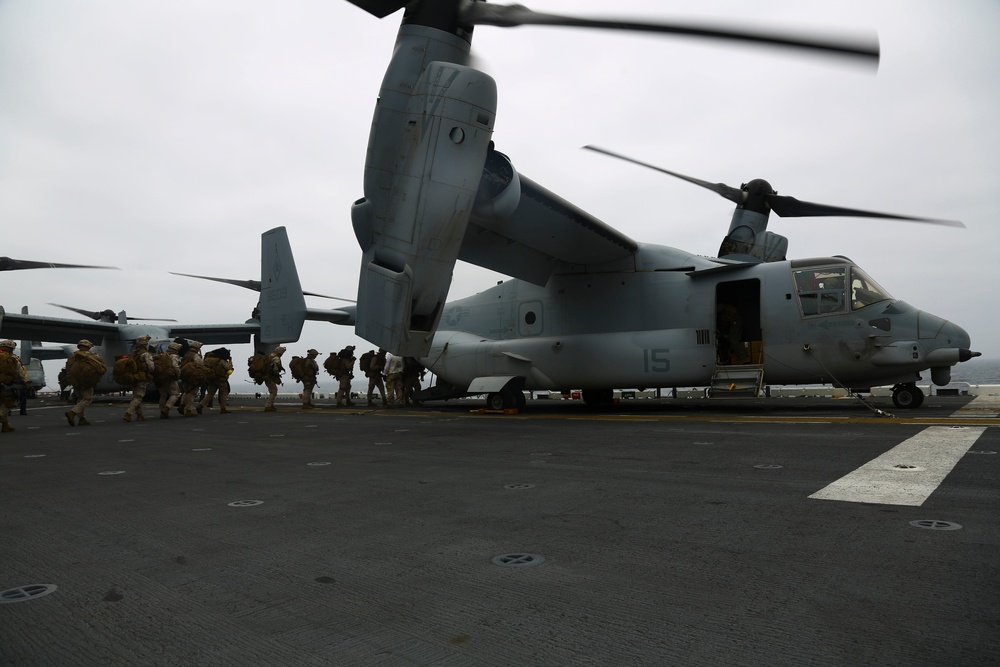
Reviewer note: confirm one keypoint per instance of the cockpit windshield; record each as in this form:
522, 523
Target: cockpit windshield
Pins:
864, 290
824, 290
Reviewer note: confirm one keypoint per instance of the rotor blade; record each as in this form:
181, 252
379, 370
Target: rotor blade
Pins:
379, 8
255, 285
790, 207
508, 16
108, 314
734, 195
11, 264
92, 314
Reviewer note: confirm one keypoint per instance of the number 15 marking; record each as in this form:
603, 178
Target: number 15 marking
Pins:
655, 360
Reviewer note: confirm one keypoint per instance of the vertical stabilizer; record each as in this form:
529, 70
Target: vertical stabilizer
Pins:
282, 306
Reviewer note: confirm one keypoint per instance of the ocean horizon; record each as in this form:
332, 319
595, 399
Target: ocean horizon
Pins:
975, 371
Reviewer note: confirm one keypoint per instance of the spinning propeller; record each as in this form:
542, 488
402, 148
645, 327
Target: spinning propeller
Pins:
107, 315
758, 195
465, 14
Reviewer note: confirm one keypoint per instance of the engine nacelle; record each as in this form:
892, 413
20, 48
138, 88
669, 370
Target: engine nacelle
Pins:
425, 164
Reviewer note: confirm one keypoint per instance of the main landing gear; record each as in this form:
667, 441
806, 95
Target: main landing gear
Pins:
504, 399
907, 395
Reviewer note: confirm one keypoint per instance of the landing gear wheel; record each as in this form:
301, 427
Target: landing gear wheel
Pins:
495, 401
907, 396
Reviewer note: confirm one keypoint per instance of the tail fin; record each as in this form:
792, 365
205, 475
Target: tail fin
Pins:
282, 306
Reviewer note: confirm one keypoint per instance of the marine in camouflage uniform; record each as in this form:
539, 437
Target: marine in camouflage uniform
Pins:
192, 356
218, 381
144, 372
272, 377
170, 391
84, 394
375, 369
310, 369
7, 390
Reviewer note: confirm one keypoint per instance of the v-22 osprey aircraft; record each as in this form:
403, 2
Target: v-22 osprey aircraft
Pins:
588, 307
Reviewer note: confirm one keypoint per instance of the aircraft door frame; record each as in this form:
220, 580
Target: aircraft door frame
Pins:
738, 313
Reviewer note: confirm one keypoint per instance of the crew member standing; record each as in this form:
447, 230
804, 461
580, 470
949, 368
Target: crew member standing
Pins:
345, 375
394, 381
83, 370
11, 374
272, 377
143, 374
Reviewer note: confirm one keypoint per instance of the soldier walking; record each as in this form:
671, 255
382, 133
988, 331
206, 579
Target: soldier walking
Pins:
83, 370
219, 364
143, 373
194, 374
12, 373
166, 373
272, 377
310, 369
376, 367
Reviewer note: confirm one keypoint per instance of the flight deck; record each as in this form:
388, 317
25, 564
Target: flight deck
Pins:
667, 532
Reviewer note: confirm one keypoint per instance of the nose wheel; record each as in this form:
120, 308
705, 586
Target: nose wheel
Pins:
907, 395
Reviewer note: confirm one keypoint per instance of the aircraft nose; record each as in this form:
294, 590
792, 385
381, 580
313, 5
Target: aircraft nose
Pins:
949, 339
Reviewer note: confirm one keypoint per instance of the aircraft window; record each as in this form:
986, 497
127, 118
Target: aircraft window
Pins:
864, 290
821, 291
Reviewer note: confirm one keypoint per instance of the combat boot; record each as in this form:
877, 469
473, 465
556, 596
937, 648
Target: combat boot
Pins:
270, 409
127, 417
71, 418
7, 428
224, 411
141, 417
199, 408
84, 422
190, 413
164, 414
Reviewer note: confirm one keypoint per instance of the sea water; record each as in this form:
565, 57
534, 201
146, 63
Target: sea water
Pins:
976, 371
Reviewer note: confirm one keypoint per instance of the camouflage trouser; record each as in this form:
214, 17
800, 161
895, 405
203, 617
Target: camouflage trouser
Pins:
138, 393
344, 393
376, 383
272, 392
394, 385
169, 393
6, 403
187, 402
223, 392
307, 391
84, 398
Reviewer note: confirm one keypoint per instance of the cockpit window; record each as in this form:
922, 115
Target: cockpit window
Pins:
821, 291
864, 290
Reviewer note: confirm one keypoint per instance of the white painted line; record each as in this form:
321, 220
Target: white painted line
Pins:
935, 451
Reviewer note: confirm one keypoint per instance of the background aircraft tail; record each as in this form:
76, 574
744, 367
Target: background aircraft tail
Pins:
282, 306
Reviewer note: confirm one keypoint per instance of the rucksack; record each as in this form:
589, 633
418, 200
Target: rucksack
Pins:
163, 369
256, 365
9, 371
365, 362
85, 370
194, 374
334, 365
216, 370
297, 368
125, 370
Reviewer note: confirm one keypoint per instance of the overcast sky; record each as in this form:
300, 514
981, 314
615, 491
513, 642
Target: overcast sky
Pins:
167, 136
